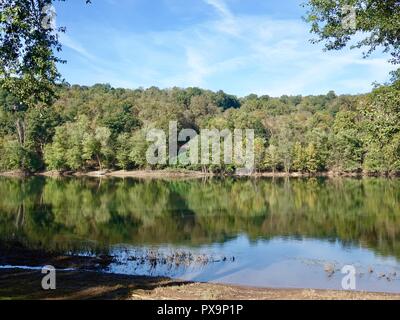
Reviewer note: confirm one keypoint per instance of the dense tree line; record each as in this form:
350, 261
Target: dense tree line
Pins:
101, 127
45, 126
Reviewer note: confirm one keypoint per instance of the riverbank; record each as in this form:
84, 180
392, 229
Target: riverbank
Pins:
15, 254
179, 174
82, 285
82, 277
140, 174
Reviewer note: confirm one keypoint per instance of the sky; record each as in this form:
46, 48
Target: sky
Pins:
238, 46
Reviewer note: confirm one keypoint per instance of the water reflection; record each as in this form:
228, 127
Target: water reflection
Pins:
67, 214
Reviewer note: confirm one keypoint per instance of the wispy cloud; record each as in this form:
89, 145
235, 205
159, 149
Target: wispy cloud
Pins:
227, 23
68, 42
221, 7
239, 53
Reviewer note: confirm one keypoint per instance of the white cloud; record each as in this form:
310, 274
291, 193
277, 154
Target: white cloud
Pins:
197, 67
237, 53
221, 7
68, 42
228, 23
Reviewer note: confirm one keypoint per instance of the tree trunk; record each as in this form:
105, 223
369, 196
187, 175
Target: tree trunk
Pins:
20, 125
99, 161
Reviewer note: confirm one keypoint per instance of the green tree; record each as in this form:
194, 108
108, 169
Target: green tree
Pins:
299, 158
272, 159
226, 101
27, 44
12, 155
138, 147
313, 160
96, 145
259, 153
377, 21
120, 120
72, 146
392, 154
381, 125
28, 62
347, 150
123, 150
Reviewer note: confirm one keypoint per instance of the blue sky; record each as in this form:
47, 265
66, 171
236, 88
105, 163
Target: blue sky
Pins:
239, 46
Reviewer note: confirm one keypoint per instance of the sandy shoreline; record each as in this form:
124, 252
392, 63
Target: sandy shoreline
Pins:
179, 174
82, 285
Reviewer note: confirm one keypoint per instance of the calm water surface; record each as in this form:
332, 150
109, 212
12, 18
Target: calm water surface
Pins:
266, 232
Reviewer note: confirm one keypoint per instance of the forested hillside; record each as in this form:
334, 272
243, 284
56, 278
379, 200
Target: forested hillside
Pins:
101, 127
45, 126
